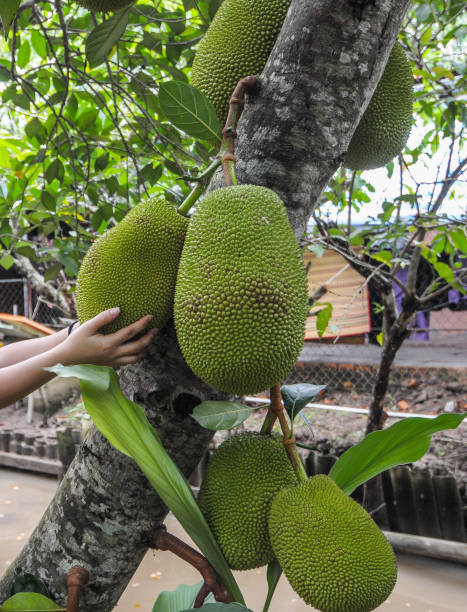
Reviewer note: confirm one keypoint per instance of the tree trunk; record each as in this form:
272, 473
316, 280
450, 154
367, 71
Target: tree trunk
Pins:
292, 137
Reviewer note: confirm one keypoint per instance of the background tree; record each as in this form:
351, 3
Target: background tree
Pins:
85, 137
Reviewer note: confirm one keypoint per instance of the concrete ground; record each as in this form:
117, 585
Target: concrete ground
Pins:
423, 585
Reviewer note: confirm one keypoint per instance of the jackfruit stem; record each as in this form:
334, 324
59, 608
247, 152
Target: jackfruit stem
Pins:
192, 198
160, 539
276, 411
227, 151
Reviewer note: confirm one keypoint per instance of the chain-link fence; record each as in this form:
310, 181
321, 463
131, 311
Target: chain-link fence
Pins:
348, 364
18, 298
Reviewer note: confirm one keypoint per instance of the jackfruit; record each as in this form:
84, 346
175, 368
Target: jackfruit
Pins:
101, 6
332, 552
242, 477
385, 125
134, 266
241, 297
237, 44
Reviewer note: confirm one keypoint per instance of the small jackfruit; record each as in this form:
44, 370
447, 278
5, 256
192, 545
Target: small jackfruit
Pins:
134, 266
385, 125
242, 477
241, 298
237, 44
332, 552
101, 6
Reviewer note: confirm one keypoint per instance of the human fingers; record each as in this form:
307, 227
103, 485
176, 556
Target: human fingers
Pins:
127, 360
138, 346
103, 318
128, 332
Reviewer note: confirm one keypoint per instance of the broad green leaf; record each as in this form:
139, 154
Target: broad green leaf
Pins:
296, 397
189, 110
105, 36
38, 43
323, 317
444, 271
273, 575
404, 442
220, 607
221, 415
7, 261
174, 601
28, 583
126, 427
29, 602
8, 10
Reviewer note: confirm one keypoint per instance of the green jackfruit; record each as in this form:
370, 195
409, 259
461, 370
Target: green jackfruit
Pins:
134, 266
332, 552
385, 125
100, 6
237, 44
241, 298
242, 477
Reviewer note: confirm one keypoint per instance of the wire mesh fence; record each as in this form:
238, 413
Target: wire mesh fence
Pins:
18, 298
350, 363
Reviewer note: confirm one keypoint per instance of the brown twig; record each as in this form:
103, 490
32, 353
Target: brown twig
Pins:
247, 85
162, 540
77, 578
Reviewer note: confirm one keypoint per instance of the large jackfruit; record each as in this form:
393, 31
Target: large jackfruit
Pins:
237, 44
332, 552
242, 477
134, 266
100, 6
385, 125
241, 298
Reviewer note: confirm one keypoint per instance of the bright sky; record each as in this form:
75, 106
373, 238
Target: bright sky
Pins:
423, 171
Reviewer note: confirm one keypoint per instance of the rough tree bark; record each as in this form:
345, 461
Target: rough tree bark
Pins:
292, 137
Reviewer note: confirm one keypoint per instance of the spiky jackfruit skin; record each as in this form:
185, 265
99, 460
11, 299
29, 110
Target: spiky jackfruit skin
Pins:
332, 552
237, 44
242, 477
241, 298
385, 125
100, 6
134, 266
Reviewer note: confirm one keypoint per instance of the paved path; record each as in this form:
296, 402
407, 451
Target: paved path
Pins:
444, 352
423, 585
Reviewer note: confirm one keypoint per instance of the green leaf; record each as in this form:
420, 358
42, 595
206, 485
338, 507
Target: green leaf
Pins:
273, 575
102, 39
459, 240
52, 272
8, 10
444, 271
29, 602
221, 415
220, 607
7, 261
323, 317
55, 171
39, 44
189, 110
174, 601
296, 397
28, 583
24, 54
102, 162
404, 442
126, 427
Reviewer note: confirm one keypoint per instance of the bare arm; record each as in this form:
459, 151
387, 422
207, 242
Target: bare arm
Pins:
85, 345
20, 351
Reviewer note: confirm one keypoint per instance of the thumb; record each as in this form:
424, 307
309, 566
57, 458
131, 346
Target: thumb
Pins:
94, 324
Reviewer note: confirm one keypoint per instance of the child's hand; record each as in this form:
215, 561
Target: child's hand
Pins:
87, 345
